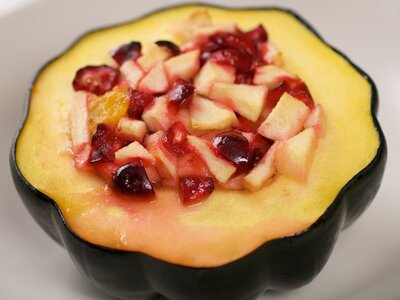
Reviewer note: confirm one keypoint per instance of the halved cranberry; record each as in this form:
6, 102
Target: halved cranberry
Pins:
95, 79
193, 189
104, 144
132, 179
233, 57
233, 146
175, 139
137, 102
258, 34
170, 46
126, 52
181, 92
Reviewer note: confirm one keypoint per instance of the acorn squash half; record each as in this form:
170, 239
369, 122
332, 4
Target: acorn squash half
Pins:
236, 244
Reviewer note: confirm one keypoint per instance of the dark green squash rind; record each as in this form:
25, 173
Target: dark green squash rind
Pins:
279, 264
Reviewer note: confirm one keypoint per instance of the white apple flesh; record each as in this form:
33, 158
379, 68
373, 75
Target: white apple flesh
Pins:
285, 120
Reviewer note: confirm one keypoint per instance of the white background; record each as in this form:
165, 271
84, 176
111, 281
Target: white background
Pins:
365, 263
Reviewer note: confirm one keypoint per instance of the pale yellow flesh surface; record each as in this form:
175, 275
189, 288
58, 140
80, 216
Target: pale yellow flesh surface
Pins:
230, 224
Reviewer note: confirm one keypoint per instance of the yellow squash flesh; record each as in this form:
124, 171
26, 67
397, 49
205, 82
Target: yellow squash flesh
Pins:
230, 224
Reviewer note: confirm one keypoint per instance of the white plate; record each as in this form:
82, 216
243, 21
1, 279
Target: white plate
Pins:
365, 263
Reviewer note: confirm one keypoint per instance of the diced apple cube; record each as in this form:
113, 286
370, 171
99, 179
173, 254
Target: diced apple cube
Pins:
207, 115
183, 66
294, 156
246, 100
219, 168
131, 129
286, 119
211, 73
263, 171
132, 73
134, 150
153, 56
316, 119
156, 81
183, 30
166, 162
157, 116
271, 76
79, 122
215, 28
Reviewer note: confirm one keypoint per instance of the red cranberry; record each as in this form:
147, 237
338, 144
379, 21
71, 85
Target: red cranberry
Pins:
104, 144
233, 41
137, 102
132, 179
233, 146
126, 52
170, 46
181, 92
245, 77
175, 139
258, 34
95, 79
194, 189
233, 57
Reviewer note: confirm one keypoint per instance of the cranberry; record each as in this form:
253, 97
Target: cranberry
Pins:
132, 179
104, 144
173, 48
245, 76
233, 57
194, 189
126, 52
181, 92
137, 102
95, 79
233, 146
175, 139
233, 41
258, 34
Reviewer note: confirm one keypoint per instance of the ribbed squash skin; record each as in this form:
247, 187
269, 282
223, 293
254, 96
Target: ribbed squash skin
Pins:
279, 264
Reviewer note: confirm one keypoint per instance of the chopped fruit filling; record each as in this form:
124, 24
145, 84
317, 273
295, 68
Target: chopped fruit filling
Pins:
181, 92
194, 189
220, 111
130, 129
183, 66
175, 139
137, 102
173, 48
208, 115
132, 179
96, 79
104, 144
127, 52
234, 147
